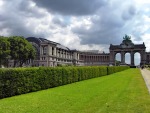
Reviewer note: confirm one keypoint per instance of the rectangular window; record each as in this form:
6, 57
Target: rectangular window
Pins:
44, 50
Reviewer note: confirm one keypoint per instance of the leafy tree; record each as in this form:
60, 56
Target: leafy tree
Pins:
117, 62
21, 50
4, 51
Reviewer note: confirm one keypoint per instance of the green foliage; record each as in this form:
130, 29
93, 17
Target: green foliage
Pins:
114, 69
4, 50
18, 81
117, 63
21, 50
16, 48
123, 92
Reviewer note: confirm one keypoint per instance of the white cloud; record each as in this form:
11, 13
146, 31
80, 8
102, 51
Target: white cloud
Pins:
94, 28
146, 40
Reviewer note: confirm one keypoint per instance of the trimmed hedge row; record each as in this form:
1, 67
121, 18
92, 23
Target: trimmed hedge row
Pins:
24, 80
114, 69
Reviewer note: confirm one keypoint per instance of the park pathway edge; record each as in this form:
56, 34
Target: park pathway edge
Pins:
146, 76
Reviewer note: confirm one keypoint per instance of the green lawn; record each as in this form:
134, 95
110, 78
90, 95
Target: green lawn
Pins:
123, 92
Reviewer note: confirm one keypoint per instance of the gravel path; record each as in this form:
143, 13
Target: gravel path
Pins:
146, 76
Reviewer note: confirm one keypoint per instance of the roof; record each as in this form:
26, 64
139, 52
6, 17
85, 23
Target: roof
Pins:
35, 40
62, 47
92, 51
139, 46
42, 40
114, 46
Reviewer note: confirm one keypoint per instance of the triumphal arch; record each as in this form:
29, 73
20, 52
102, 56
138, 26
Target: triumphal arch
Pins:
127, 46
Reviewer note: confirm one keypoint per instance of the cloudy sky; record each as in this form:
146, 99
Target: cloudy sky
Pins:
78, 24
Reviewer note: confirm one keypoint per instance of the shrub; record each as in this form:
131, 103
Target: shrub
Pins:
24, 80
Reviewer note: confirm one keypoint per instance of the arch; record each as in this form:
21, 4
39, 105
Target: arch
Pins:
137, 58
117, 59
128, 58
127, 46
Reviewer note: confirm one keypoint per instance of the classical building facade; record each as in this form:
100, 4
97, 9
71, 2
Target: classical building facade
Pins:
53, 54
94, 57
49, 53
130, 48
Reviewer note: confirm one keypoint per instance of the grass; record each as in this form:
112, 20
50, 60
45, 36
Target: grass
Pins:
123, 92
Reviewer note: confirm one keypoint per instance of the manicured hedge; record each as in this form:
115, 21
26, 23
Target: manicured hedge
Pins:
114, 69
24, 80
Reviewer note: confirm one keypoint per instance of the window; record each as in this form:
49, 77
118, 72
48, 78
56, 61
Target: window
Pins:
44, 50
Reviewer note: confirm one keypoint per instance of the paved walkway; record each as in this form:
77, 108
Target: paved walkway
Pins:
146, 76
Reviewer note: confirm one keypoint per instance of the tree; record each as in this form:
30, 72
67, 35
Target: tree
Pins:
21, 50
4, 51
117, 62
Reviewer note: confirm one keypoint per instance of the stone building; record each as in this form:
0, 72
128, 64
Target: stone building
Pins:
49, 53
127, 46
94, 57
53, 54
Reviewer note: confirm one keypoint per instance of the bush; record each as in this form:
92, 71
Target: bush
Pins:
114, 69
24, 80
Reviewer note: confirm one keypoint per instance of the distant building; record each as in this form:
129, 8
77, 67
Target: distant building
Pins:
51, 54
94, 57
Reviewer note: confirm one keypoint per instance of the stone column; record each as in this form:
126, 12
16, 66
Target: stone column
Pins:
68, 55
54, 51
143, 57
75, 55
49, 50
57, 52
61, 53
64, 54
112, 57
122, 57
41, 50
132, 58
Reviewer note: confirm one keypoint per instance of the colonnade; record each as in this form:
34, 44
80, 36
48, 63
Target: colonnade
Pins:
58, 52
95, 58
123, 57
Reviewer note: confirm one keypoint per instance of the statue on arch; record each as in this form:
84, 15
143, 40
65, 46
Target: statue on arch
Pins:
127, 42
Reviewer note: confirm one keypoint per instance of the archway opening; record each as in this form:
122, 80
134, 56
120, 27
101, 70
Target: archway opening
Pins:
128, 58
117, 59
137, 59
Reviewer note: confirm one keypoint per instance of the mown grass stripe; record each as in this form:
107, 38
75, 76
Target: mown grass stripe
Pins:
123, 92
